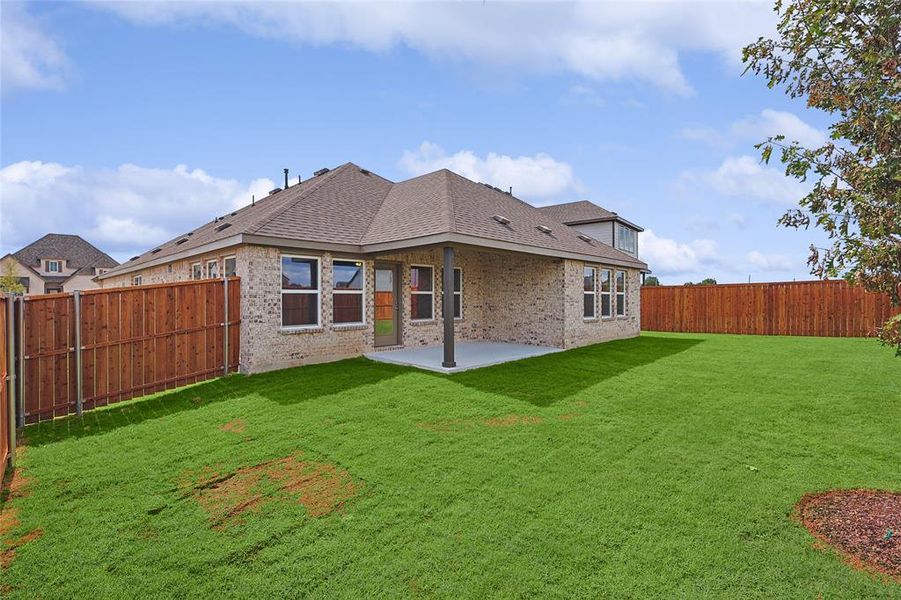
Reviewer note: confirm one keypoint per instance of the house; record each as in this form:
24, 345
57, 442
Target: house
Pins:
348, 263
57, 262
601, 224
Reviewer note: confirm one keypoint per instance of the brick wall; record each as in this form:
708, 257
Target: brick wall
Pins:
579, 331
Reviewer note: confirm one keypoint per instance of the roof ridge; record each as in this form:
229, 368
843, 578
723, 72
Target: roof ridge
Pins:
379, 209
300, 196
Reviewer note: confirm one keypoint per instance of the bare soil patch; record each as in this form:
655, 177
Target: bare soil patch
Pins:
234, 426
321, 488
10, 547
14, 486
513, 421
863, 526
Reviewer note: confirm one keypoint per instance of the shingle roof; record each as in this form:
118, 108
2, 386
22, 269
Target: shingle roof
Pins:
78, 253
581, 211
354, 207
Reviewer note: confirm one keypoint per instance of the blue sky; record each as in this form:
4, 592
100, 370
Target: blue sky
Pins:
128, 123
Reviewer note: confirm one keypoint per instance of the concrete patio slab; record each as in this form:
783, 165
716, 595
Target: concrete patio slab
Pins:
470, 355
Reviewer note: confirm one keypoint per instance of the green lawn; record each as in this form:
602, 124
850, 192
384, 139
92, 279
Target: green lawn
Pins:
664, 466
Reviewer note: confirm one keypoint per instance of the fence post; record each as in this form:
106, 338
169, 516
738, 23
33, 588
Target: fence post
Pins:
76, 297
20, 414
11, 377
225, 323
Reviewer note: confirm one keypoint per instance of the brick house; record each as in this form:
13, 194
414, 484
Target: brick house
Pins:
348, 263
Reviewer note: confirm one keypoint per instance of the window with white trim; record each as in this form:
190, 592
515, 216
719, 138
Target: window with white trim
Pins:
300, 291
620, 293
626, 239
589, 292
136, 280
422, 293
606, 292
212, 269
54, 266
230, 266
348, 283
458, 293
197, 271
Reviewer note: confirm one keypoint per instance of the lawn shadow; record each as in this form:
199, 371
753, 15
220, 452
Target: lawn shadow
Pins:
546, 379
287, 386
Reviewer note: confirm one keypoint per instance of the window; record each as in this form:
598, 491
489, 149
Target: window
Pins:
626, 239
620, 293
422, 300
212, 269
196, 271
347, 291
589, 304
54, 266
458, 293
230, 266
300, 291
605, 294
136, 280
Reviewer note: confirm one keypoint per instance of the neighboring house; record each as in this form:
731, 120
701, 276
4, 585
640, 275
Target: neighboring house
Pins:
601, 224
57, 263
349, 262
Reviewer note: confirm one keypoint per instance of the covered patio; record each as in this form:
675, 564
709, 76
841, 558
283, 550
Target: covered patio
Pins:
469, 355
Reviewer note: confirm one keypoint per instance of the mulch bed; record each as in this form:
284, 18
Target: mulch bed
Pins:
863, 526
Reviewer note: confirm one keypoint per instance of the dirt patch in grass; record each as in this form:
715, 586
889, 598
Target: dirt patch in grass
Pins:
569, 416
15, 485
863, 526
10, 547
321, 488
513, 421
234, 426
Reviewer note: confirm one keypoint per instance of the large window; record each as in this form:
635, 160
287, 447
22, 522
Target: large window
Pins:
589, 295
347, 291
300, 291
606, 294
197, 271
422, 299
620, 293
626, 239
230, 266
458, 293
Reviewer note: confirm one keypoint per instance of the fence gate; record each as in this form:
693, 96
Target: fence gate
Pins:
67, 353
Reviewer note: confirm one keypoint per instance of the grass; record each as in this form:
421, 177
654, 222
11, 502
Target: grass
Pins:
664, 466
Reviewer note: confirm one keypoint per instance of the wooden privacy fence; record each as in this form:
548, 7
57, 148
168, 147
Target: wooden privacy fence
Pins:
82, 350
818, 308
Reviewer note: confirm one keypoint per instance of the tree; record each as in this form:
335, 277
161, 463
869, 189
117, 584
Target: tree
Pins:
9, 281
651, 281
844, 57
707, 281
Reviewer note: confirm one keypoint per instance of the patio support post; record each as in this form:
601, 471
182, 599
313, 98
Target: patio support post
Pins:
448, 304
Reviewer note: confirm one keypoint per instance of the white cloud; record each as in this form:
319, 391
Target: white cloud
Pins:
124, 210
666, 256
599, 41
29, 57
754, 129
738, 220
537, 177
746, 177
771, 262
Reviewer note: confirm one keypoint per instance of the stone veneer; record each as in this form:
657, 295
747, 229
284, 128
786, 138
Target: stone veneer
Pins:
507, 297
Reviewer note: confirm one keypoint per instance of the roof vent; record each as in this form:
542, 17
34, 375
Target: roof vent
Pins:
275, 191
155, 250
133, 258
584, 238
223, 226
543, 229
501, 219
181, 241
320, 172
364, 171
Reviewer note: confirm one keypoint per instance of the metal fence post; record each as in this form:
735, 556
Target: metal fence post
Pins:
20, 414
76, 297
225, 323
11, 375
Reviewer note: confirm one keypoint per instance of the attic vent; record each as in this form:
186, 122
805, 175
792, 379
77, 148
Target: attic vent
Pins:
364, 171
501, 219
223, 226
155, 250
233, 214
181, 241
275, 191
320, 172
133, 258
543, 229
584, 238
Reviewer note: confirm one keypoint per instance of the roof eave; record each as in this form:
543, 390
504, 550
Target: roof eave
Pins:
617, 219
126, 268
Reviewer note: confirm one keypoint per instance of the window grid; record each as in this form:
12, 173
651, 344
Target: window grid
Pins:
349, 292
430, 293
620, 293
311, 292
606, 296
589, 291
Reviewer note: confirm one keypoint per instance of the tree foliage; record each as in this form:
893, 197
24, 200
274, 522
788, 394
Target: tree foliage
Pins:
9, 282
844, 57
651, 281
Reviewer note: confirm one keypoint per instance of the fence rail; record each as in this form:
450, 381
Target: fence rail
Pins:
816, 308
78, 351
